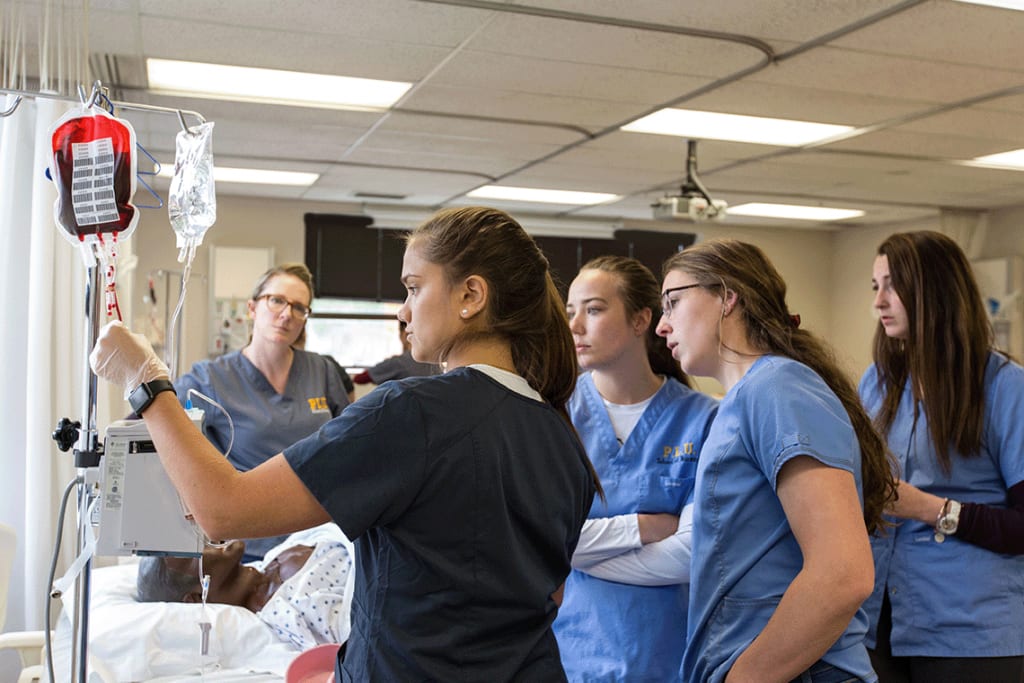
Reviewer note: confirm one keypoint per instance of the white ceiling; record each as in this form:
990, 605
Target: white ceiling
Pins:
533, 93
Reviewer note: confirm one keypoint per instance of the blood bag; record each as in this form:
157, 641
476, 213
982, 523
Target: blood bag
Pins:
192, 199
93, 165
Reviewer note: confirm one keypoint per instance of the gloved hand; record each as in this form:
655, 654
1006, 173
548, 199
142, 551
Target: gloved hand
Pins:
125, 359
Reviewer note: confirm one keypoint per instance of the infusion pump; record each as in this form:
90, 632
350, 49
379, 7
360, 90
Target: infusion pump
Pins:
138, 511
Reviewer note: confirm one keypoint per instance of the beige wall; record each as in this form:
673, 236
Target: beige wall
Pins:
1005, 234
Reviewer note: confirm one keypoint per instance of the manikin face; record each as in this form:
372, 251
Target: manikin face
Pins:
284, 326
601, 328
690, 324
431, 308
891, 313
231, 582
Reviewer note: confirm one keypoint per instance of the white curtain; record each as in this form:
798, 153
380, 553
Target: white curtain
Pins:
41, 347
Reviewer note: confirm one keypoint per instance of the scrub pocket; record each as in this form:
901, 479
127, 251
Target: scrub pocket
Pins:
823, 672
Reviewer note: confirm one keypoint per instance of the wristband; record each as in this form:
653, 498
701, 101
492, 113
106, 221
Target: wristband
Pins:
145, 393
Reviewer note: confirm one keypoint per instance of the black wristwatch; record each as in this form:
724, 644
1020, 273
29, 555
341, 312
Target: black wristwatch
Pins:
146, 392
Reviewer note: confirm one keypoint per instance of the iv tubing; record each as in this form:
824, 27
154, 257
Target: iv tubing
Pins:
231, 423
53, 572
172, 338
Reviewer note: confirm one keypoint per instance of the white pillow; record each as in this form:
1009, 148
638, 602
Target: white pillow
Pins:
140, 640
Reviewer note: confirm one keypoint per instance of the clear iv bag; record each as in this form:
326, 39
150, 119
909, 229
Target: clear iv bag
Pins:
93, 165
192, 199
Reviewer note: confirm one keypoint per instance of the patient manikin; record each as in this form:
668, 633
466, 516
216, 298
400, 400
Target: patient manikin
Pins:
302, 592
176, 579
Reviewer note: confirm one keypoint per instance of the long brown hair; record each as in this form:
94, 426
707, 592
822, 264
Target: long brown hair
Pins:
524, 306
639, 289
728, 265
949, 337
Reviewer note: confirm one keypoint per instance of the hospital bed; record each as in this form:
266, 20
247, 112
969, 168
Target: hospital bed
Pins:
133, 641
160, 641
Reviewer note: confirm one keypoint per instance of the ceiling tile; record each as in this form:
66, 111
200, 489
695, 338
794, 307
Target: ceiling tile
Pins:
985, 36
788, 20
624, 48
887, 76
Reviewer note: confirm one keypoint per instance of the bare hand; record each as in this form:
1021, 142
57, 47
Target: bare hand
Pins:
656, 527
125, 359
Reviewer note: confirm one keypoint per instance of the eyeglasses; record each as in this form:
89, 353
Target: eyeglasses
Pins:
668, 303
277, 303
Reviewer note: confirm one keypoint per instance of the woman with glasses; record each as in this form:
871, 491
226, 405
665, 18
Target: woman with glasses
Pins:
274, 393
948, 603
644, 429
464, 493
791, 479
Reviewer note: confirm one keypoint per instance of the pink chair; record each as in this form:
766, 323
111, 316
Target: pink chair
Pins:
315, 665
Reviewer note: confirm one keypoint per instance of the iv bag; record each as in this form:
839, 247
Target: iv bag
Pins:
93, 165
192, 199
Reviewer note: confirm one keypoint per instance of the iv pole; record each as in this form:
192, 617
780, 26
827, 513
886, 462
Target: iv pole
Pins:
86, 455
88, 451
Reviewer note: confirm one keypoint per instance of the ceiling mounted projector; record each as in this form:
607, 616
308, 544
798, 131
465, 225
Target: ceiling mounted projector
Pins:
692, 208
693, 201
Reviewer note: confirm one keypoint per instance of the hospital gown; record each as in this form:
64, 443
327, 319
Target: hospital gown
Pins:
312, 607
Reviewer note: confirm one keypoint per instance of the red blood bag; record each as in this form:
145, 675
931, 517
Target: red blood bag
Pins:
93, 166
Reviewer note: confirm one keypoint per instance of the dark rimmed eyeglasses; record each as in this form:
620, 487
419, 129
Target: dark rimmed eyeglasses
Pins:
277, 303
667, 302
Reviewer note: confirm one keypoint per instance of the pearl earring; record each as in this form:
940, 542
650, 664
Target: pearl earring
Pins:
465, 312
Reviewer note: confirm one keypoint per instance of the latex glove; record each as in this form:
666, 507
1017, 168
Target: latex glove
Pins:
125, 359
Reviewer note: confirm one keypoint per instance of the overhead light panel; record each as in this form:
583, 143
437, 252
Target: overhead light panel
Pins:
529, 194
794, 211
224, 174
246, 84
735, 127
1013, 160
1005, 4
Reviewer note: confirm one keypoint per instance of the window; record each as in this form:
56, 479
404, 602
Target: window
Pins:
358, 333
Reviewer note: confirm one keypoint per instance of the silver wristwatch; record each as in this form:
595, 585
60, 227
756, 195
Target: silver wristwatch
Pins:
948, 520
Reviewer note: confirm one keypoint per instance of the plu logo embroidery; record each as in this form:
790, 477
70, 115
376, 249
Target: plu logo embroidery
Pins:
318, 404
671, 454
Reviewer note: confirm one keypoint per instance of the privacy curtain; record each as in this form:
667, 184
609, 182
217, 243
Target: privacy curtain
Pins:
42, 285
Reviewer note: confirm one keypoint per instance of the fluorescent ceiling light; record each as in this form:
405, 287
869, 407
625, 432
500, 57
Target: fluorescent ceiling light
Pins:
801, 213
529, 194
245, 84
1005, 4
223, 174
735, 127
1013, 159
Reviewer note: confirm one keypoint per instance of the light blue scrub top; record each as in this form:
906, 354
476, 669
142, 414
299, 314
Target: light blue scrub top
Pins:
744, 552
610, 631
953, 598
